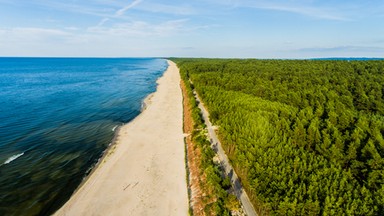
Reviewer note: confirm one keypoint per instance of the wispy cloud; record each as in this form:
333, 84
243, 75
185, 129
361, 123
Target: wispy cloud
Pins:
121, 11
305, 8
141, 28
36, 33
93, 8
154, 7
136, 37
77, 8
118, 13
27, 37
310, 11
104, 20
344, 49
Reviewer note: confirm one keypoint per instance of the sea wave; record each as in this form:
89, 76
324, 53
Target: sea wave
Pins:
12, 158
114, 128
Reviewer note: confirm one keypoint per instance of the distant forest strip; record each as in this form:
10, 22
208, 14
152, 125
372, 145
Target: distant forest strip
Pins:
305, 136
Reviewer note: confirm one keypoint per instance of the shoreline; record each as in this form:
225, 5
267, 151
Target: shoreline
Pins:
109, 150
146, 102
132, 162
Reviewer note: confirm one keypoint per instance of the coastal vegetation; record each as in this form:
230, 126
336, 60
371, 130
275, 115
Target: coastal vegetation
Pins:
209, 189
304, 136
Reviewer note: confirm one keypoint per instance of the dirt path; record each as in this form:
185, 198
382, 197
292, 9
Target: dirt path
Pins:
239, 191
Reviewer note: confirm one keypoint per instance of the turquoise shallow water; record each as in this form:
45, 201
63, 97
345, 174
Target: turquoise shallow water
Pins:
57, 116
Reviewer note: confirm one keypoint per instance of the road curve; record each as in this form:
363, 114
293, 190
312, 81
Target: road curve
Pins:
229, 171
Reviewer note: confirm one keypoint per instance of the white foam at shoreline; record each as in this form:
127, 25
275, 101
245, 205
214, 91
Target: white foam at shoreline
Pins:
114, 128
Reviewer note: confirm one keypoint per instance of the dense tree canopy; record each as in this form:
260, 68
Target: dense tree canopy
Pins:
305, 136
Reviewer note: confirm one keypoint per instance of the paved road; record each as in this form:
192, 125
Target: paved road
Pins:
229, 171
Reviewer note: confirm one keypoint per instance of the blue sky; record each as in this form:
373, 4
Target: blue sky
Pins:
195, 28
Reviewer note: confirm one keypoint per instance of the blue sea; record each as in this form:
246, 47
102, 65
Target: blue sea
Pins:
57, 117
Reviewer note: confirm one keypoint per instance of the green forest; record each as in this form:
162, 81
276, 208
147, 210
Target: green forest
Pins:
304, 136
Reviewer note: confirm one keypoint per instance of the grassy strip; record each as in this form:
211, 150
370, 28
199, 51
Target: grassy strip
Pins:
215, 198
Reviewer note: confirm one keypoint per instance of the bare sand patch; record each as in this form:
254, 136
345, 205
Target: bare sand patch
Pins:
145, 172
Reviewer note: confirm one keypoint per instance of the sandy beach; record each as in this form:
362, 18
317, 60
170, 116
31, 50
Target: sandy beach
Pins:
144, 172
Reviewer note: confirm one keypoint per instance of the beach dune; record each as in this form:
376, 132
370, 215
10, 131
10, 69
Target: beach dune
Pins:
144, 172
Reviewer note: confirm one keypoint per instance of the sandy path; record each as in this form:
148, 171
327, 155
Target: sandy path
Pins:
145, 173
